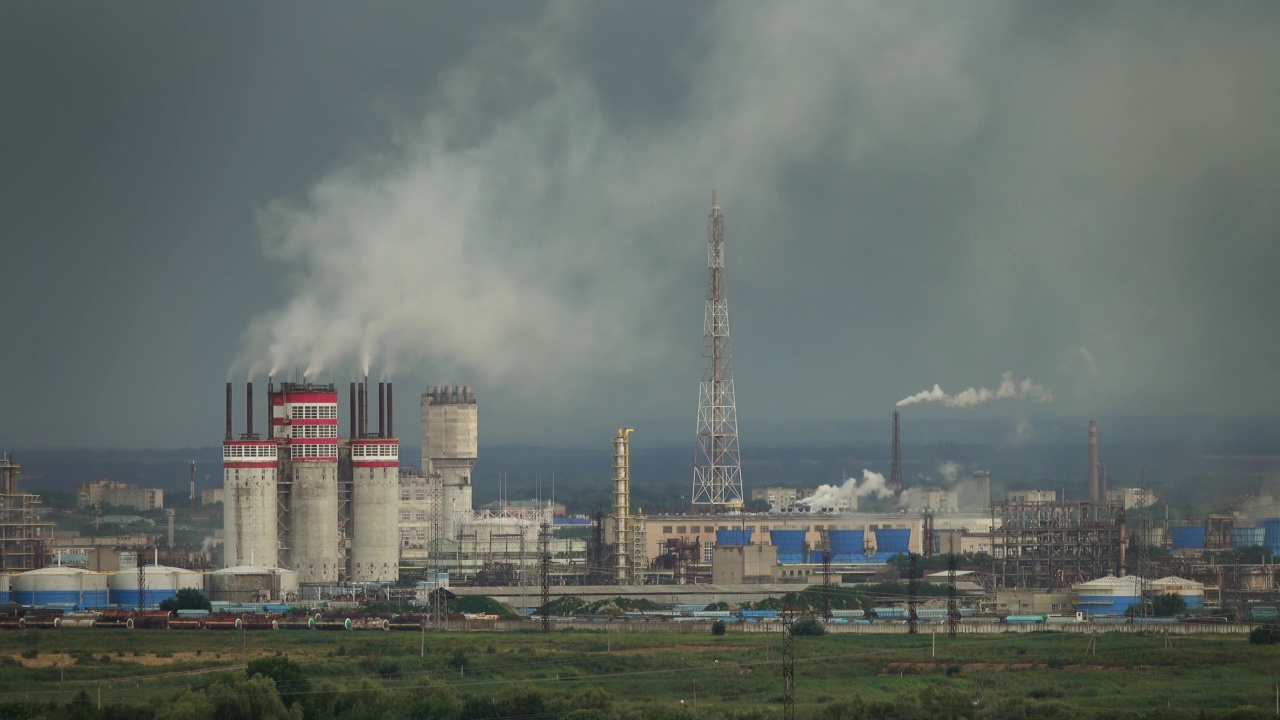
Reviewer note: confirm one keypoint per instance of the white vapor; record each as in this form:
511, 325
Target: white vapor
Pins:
873, 483
1008, 389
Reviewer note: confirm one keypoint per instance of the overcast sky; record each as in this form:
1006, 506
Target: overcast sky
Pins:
515, 196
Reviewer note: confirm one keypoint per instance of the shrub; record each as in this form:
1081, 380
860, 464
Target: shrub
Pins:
186, 599
1265, 635
718, 627
31, 654
807, 627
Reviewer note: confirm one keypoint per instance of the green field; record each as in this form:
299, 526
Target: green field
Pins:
590, 674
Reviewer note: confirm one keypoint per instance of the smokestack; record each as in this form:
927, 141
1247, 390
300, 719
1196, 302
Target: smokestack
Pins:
228, 411
351, 427
248, 409
382, 409
1093, 460
364, 410
271, 393
1102, 482
390, 432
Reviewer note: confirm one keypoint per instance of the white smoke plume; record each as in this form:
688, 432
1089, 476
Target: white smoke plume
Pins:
873, 483
949, 470
1008, 389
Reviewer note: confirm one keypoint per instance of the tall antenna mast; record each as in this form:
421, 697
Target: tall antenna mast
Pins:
717, 467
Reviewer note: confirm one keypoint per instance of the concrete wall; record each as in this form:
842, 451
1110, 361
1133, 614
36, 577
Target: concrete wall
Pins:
314, 522
375, 517
734, 564
249, 516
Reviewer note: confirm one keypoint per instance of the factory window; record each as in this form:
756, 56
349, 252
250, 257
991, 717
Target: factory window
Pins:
421, 516
706, 552
404, 495
680, 529
666, 529
404, 516
764, 528
751, 528
722, 527
404, 534
709, 529
418, 495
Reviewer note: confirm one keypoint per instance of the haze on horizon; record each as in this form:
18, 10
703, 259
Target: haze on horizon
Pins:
918, 197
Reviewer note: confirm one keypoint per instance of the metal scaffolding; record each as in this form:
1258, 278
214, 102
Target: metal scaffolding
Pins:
1052, 545
24, 538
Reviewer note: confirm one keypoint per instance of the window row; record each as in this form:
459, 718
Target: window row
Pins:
313, 411
249, 451
313, 451
314, 431
375, 451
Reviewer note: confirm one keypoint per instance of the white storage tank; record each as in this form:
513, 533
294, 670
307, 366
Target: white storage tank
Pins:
159, 584
1192, 592
59, 586
251, 583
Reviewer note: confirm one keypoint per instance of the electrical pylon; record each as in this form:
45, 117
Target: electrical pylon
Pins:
717, 465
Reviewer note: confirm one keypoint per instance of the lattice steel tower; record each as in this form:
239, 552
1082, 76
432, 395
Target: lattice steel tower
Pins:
717, 468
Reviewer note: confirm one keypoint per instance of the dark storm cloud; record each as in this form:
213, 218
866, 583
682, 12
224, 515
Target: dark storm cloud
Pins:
915, 193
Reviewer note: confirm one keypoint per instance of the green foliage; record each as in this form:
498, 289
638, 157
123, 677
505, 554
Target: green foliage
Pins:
481, 604
1168, 605
571, 605
186, 599
287, 676
1265, 635
808, 627
31, 654
718, 628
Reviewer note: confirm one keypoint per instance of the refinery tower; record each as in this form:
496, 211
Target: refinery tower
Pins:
450, 434
302, 498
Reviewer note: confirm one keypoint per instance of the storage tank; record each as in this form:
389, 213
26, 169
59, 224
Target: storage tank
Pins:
733, 538
59, 586
159, 584
375, 510
1192, 592
1248, 536
790, 544
1187, 537
251, 583
1109, 595
890, 542
846, 546
4, 589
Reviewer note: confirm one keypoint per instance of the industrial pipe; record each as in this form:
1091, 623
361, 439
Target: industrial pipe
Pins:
1093, 460
248, 404
382, 409
228, 411
361, 411
390, 432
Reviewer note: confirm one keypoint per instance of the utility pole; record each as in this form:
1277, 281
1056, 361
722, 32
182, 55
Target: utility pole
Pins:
953, 608
788, 664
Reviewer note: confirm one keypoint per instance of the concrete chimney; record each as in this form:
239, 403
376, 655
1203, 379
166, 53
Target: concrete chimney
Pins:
228, 411
382, 409
351, 426
248, 410
1093, 460
270, 432
390, 431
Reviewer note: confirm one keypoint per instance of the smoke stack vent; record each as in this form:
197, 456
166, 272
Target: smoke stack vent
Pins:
390, 431
1093, 460
248, 410
228, 411
271, 393
382, 409
351, 426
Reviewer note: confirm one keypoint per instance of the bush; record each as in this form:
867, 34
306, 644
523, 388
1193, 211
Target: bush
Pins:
718, 627
31, 654
186, 599
1265, 635
807, 627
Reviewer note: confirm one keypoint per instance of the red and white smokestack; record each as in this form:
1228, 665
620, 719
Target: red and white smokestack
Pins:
390, 432
382, 409
351, 427
228, 437
248, 409
1093, 460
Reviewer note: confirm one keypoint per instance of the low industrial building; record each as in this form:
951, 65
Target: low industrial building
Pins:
114, 492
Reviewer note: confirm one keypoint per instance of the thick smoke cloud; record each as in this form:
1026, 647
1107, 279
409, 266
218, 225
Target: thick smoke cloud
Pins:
520, 233
1008, 389
829, 496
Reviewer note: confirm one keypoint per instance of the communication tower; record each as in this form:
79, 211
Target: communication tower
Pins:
717, 467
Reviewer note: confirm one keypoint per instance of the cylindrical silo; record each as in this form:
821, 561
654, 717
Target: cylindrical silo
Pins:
159, 584
251, 584
846, 546
59, 586
310, 414
249, 477
375, 515
890, 542
1187, 537
790, 545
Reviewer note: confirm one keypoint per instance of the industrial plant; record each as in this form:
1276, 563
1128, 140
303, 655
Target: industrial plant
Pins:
312, 514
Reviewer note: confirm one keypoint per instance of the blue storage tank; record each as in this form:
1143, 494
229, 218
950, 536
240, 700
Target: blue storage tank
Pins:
890, 542
847, 546
734, 538
1271, 534
1248, 536
1187, 537
58, 586
790, 544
